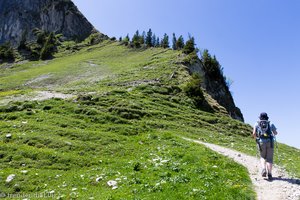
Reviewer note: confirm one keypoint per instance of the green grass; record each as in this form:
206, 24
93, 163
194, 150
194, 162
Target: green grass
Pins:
126, 125
64, 145
69, 71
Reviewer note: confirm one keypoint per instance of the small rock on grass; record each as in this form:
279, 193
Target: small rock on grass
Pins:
112, 184
10, 178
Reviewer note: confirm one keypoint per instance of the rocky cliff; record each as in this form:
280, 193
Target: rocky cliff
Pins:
218, 90
19, 17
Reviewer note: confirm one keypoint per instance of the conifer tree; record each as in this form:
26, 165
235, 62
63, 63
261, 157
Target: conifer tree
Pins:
153, 40
211, 65
136, 41
46, 44
157, 42
149, 38
126, 40
6, 53
142, 38
49, 47
189, 46
40, 35
180, 43
165, 41
174, 41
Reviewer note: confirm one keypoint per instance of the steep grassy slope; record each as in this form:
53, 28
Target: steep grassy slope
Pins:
125, 124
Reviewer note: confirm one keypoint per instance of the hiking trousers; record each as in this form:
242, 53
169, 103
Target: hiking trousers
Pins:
267, 151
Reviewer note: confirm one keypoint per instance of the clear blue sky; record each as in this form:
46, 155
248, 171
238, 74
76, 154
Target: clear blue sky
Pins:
257, 42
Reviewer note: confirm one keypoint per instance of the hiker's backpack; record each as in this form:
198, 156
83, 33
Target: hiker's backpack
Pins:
263, 129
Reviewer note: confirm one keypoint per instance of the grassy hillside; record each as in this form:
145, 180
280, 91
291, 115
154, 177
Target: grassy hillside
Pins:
124, 124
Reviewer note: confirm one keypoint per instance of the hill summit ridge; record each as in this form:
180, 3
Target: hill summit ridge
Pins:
21, 17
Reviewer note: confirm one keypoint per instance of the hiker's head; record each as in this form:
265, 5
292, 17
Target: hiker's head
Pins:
263, 116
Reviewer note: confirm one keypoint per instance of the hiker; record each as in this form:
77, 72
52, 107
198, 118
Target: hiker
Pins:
264, 133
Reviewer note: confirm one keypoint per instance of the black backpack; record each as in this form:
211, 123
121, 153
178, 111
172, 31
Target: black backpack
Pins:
263, 129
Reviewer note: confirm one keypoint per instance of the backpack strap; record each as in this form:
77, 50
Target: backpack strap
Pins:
271, 135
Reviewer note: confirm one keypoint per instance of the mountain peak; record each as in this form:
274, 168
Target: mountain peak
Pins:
20, 17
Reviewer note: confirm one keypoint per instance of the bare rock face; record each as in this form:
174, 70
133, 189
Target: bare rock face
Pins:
19, 17
218, 90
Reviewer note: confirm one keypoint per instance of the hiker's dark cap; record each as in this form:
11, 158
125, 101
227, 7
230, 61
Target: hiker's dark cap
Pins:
263, 116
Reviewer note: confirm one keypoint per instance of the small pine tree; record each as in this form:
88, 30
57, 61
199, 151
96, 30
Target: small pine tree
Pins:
126, 40
211, 65
189, 46
174, 41
165, 41
40, 35
153, 40
49, 47
46, 44
180, 43
149, 38
35, 50
6, 53
136, 40
157, 42
143, 38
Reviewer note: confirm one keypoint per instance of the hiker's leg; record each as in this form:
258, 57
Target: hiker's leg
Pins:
269, 167
263, 156
270, 153
263, 163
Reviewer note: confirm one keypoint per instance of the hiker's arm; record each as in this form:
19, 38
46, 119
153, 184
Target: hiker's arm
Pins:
274, 132
254, 133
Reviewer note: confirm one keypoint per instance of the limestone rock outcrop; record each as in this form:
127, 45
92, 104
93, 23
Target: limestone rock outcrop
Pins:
19, 17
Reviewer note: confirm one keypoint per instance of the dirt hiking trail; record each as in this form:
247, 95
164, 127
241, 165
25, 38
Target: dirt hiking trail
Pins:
281, 188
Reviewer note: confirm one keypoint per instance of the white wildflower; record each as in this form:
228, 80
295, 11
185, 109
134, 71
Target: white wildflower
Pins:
58, 175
